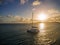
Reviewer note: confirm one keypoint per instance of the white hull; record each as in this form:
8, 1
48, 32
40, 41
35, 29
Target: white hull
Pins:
33, 30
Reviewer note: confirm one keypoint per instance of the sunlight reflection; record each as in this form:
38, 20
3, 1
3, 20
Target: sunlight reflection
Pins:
41, 27
42, 35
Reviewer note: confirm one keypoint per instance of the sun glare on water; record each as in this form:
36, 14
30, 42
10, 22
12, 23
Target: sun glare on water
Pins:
42, 26
42, 16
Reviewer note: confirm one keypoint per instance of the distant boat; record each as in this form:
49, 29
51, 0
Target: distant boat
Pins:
34, 29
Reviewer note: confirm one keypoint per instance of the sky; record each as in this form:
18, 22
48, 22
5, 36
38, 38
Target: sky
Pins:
25, 8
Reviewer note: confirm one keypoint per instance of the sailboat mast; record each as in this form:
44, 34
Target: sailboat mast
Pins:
32, 19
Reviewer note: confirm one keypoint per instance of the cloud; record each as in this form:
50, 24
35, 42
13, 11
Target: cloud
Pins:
53, 11
17, 17
36, 2
11, 19
23, 1
14, 19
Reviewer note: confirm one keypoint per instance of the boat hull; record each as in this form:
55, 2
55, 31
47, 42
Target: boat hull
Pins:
33, 31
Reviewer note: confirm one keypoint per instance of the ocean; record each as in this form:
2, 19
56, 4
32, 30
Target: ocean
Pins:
16, 34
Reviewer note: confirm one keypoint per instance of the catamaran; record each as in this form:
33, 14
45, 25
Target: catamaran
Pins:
33, 28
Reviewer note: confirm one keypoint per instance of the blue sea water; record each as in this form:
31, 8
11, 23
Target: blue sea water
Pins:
16, 34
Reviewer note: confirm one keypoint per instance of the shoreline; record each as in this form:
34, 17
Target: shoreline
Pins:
30, 23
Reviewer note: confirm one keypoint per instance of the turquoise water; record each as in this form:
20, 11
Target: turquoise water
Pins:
16, 34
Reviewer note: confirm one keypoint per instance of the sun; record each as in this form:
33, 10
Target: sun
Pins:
42, 16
